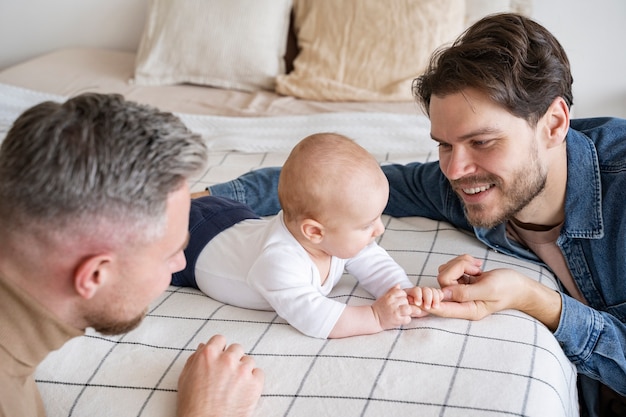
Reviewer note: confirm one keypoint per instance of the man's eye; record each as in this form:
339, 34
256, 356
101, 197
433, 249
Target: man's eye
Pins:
482, 143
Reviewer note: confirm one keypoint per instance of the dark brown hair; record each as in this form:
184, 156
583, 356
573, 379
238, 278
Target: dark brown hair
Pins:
517, 62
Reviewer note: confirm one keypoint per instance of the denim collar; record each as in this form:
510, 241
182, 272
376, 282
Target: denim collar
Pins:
583, 197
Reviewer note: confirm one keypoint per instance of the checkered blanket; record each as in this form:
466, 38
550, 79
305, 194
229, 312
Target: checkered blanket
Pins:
505, 365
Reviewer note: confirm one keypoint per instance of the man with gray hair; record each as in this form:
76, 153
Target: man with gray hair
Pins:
94, 209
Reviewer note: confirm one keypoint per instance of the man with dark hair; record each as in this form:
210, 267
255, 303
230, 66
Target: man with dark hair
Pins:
527, 181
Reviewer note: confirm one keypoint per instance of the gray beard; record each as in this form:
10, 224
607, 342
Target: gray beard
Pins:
107, 326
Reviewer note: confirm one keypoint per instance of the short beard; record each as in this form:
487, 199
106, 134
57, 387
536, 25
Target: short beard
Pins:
509, 211
108, 326
528, 184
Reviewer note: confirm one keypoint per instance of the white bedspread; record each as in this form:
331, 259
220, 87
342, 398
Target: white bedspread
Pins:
376, 131
505, 365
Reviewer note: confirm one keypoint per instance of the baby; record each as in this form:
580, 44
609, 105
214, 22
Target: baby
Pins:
332, 193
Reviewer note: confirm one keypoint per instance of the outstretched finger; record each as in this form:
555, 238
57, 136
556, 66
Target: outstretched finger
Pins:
452, 309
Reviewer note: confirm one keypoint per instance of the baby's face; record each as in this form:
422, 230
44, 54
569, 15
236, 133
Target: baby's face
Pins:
357, 221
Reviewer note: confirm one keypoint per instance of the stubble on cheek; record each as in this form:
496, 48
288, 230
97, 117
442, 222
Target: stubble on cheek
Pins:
107, 325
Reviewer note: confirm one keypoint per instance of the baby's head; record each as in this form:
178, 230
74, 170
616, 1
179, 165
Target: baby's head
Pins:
332, 180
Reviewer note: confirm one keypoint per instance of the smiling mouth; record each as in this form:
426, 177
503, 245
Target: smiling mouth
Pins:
476, 190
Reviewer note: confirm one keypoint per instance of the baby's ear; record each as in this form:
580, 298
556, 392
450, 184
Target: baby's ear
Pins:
91, 274
312, 230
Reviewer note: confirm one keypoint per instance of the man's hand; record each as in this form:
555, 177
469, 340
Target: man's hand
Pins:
470, 293
219, 381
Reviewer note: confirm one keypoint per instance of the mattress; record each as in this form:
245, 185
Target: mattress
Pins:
507, 364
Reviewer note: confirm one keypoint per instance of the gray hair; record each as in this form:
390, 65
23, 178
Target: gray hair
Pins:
95, 159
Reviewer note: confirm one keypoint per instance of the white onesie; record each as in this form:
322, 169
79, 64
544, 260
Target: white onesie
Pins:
258, 264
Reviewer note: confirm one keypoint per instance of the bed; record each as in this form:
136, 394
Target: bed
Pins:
505, 365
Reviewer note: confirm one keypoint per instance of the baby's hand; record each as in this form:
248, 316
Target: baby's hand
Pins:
392, 309
425, 298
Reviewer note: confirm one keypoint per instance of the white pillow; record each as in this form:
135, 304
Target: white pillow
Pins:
238, 44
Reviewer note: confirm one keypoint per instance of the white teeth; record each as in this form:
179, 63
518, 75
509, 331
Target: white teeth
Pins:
476, 190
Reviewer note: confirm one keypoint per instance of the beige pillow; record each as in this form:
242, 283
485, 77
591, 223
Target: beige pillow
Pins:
237, 44
366, 50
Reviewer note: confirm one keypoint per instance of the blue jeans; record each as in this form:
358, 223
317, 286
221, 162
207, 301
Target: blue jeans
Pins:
208, 217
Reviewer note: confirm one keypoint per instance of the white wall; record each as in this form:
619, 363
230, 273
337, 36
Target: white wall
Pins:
31, 27
592, 33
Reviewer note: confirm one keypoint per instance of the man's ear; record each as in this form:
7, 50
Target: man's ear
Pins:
91, 273
312, 230
557, 122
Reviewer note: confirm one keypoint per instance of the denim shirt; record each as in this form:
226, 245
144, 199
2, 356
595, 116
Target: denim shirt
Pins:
593, 237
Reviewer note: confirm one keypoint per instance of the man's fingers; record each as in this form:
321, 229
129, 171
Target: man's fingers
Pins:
456, 271
462, 293
454, 310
